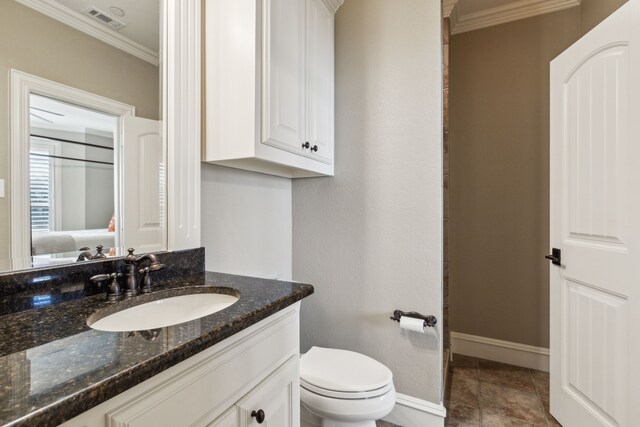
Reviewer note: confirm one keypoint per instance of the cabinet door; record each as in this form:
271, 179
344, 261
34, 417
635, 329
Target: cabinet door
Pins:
278, 396
283, 86
228, 419
320, 78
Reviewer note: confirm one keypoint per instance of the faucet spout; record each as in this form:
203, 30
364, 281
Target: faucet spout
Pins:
150, 257
84, 255
132, 263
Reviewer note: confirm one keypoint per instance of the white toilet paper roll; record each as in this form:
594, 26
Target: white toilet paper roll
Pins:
412, 324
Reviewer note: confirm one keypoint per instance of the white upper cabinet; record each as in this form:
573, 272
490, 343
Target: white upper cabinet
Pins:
269, 85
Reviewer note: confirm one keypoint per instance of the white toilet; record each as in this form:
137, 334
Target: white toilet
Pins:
340, 388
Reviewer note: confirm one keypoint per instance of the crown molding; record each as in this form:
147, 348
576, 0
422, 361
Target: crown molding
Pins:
447, 7
333, 5
502, 14
83, 23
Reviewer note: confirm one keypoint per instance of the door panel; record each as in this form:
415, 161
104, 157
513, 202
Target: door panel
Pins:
228, 419
278, 396
594, 350
593, 143
320, 80
595, 207
143, 176
283, 82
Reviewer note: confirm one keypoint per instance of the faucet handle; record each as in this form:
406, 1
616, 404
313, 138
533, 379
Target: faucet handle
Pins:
156, 266
100, 278
146, 279
113, 291
99, 253
131, 258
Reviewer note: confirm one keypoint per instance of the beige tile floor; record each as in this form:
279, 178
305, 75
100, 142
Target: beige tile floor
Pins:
482, 393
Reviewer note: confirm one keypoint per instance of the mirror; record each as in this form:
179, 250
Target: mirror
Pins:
82, 168
72, 176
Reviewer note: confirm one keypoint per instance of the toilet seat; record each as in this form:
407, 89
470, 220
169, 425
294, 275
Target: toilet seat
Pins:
345, 394
343, 374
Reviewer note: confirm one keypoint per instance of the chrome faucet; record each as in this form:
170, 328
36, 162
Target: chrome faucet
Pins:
132, 263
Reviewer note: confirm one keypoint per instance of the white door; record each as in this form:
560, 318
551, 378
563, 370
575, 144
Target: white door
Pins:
143, 177
275, 402
595, 223
283, 82
319, 81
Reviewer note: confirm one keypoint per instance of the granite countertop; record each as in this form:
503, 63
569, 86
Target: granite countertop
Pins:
54, 367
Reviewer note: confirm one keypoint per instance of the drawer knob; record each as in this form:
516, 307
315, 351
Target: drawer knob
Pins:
306, 145
258, 415
314, 148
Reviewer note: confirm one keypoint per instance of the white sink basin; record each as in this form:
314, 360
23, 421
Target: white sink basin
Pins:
164, 312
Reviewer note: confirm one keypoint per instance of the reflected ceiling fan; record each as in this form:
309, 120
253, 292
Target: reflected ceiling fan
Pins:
44, 111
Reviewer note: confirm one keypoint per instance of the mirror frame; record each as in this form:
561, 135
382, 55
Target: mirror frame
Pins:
182, 23
180, 68
22, 86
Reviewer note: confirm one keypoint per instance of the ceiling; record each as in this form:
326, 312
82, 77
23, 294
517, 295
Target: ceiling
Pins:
141, 16
468, 15
49, 113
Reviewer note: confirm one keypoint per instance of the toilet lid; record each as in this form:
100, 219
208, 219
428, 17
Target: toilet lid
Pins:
343, 371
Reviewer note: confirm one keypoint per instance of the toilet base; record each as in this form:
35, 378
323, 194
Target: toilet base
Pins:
330, 423
320, 411
308, 419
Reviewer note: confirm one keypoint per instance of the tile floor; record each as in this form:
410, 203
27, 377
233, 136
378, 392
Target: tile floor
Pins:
482, 393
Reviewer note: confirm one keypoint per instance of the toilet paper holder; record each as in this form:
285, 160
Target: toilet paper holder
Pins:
429, 320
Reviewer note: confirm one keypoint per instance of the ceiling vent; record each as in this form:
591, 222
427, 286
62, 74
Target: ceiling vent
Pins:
100, 16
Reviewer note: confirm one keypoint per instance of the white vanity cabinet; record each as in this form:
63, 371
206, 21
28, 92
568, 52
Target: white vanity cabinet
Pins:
255, 370
277, 397
269, 83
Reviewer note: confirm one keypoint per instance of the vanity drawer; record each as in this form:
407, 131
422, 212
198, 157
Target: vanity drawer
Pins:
197, 390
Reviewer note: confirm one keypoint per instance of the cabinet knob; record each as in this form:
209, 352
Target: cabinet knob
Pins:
306, 145
314, 148
258, 415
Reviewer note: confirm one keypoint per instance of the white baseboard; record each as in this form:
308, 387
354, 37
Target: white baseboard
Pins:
412, 412
513, 353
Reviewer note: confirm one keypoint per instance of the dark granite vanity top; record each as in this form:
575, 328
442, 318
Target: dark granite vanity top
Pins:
54, 367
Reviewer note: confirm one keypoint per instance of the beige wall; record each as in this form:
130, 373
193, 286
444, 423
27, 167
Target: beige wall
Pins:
38, 45
592, 12
499, 83
370, 238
